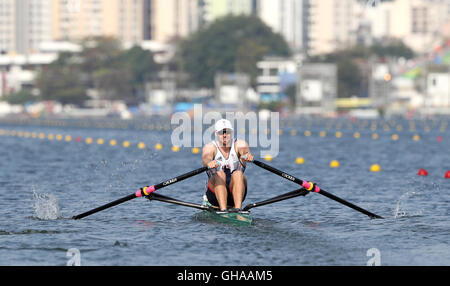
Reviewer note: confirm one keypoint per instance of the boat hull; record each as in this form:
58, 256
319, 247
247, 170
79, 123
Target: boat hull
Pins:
235, 218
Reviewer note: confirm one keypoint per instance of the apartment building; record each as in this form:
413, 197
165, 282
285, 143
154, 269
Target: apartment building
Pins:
214, 9
332, 25
289, 18
24, 24
418, 23
74, 20
173, 19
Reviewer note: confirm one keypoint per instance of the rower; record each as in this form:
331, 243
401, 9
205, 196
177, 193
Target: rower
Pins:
226, 159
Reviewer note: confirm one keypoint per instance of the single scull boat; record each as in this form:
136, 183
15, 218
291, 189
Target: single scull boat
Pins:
236, 217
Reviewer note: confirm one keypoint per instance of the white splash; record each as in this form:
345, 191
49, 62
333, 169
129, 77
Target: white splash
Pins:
405, 205
46, 206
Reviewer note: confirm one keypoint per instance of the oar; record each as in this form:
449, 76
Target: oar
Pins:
145, 191
313, 188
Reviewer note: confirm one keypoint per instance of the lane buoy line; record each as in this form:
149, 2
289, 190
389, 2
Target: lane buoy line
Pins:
89, 140
70, 138
158, 146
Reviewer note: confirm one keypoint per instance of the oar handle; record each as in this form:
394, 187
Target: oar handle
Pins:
145, 191
313, 187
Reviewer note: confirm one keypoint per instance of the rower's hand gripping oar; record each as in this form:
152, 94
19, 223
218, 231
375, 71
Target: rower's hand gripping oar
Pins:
313, 188
145, 191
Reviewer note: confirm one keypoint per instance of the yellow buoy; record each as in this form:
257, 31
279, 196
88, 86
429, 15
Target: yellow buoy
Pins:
395, 137
68, 138
268, 158
112, 142
334, 164
175, 148
126, 144
375, 136
357, 135
375, 168
293, 132
50, 136
59, 137
141, 145
307, 133
322, 134
299, 161
158, 146
195, 150
338, 134
416, 137
89, 140
100, 141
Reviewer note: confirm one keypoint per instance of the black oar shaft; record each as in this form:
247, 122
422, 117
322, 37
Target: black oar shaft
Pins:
111, 204
344, 202
180, 178
322, 192
140, 193
290, 195
161, 198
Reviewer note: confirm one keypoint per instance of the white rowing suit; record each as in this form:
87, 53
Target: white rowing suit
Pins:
229, 165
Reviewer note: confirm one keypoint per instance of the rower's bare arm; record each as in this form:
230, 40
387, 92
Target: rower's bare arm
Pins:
208, 154
243, 149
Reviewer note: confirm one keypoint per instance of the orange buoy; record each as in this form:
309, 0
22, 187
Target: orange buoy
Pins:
439, 138
78, 139
447, 175
422, 172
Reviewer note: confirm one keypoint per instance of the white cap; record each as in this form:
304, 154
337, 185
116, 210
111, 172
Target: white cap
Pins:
223, 124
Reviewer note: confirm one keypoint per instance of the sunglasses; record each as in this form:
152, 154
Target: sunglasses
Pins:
224, 131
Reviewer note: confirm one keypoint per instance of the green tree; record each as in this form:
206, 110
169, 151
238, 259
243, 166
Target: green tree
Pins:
229, 44
19, 97
103, 65
61, 83
141, 64
349, 78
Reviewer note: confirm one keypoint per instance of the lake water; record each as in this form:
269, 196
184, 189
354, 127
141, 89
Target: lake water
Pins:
43, 183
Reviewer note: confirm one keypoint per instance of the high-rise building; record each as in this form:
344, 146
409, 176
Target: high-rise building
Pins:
24, 24
332, 25
172, 19
289, 18
7, 26
214, 9
125, 20
418, 23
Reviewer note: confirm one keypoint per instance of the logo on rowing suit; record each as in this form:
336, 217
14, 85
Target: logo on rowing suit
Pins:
171, 181
289, 177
